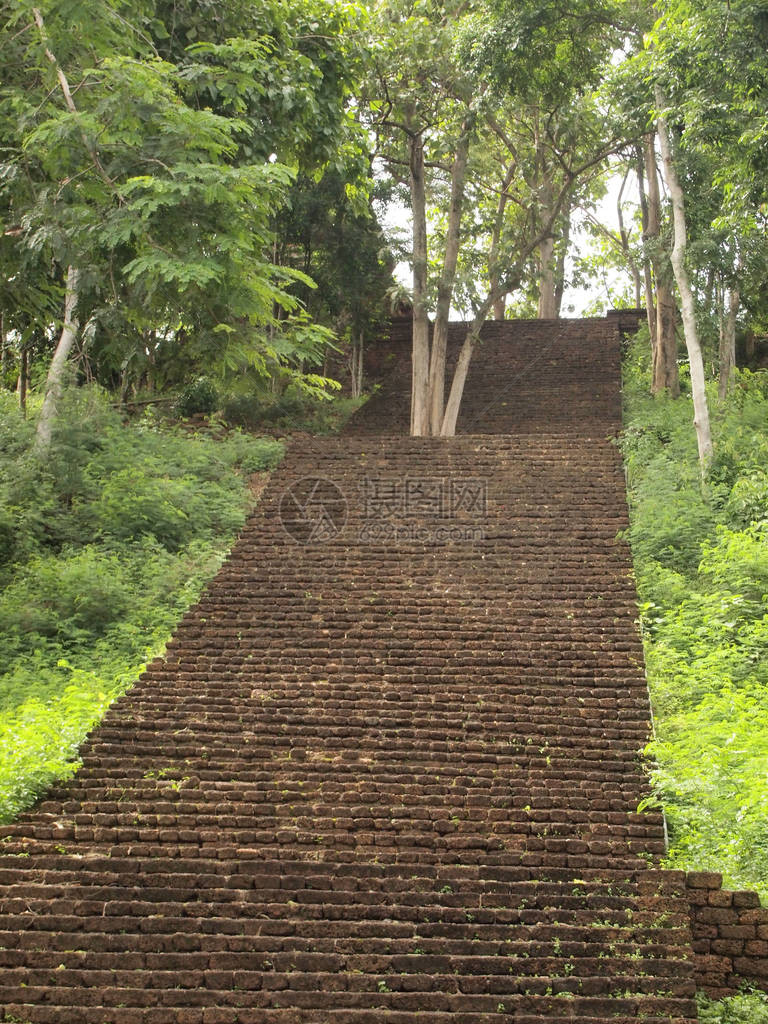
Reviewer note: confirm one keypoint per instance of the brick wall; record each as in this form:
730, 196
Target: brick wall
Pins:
730, 935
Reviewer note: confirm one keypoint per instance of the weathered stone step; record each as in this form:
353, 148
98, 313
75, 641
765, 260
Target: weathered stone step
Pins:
349, 1007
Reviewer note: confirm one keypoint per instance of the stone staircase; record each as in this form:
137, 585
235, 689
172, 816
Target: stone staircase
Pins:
389, 769
535, 376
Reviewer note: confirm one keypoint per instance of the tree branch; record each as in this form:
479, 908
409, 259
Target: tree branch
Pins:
67, 92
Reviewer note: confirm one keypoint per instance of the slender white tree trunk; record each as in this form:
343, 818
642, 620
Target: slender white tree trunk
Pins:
562, 255
700, 407
451, 415
356, 364
453, 404
624, 236
546, 245
547, 304
447, 280
494, 275
420, 352
71, 325
54, 382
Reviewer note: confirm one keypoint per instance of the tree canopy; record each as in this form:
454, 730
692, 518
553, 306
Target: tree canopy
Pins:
194, 186
148, 154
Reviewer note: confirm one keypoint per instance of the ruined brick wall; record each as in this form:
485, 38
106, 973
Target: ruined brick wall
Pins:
730, 935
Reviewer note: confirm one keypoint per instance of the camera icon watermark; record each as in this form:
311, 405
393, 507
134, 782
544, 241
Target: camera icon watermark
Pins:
313, 510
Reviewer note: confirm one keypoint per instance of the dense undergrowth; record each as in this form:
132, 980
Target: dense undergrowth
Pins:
102, 548
743, 1008
701, 561
294, 409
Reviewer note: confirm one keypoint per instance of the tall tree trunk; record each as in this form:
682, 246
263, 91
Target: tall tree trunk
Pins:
562, 254
546, 309
546, 247
23, 384
71, 325
638, 284
500, 305
326, 358
420, 354
624, 235
695, 359
56, 370
356, 365
710, 287
446, 283
4, 350
751, 346
494, 274
451, 416
665, 375
505, 285
650, 309
547, 304
728, 342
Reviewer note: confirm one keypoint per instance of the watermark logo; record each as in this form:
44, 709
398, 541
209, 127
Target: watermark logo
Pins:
423, 510
432, 497
313, 510
387, 510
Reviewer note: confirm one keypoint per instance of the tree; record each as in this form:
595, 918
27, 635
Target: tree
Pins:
340, 246
439, 83
706, 65
536, 166
421, 104
156, 209
629, 85
663, 326
678, 257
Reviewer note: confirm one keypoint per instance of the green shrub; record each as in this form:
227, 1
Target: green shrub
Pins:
286, 409
738, 561
243, 411
135, 502
748, 499
254, 454
15, 431
200, 396
74, 591
39, 740
7, 532
744, 1008
670, 518
291, 411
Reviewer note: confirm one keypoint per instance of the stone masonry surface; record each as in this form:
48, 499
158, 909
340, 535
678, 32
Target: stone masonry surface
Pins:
389, 768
